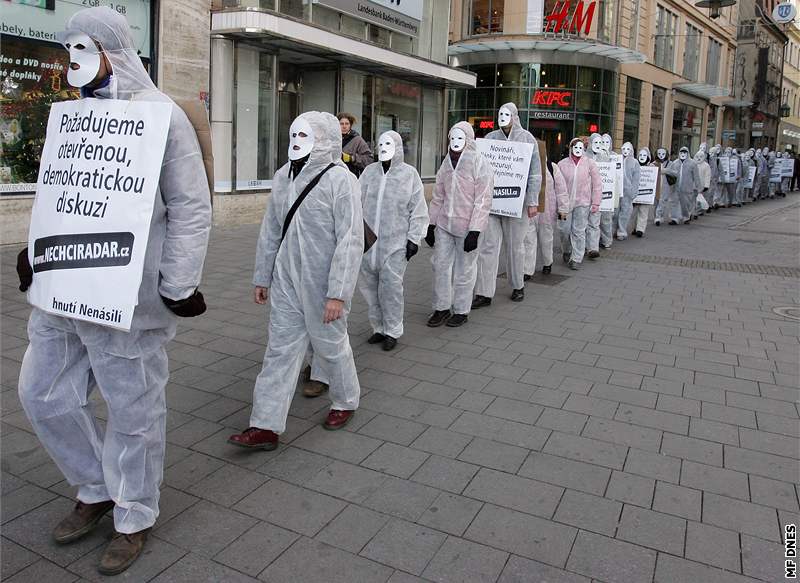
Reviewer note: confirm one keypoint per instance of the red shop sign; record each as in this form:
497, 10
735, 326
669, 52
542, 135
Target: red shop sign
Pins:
550, 98
562, 19
486, 124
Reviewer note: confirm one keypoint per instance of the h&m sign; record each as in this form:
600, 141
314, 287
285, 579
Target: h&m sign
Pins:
567, 16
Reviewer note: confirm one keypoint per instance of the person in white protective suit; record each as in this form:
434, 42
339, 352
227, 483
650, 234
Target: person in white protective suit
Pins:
458, 213
508, 230
736, 189
727, 190
713, 196
607, 217
774, 185
687, 185
120, 468
556, 203
641, 211
785, 180
393, 201
307, 264
598, 153
704, 169
761, 189
631, 173
668, 204
584, 189
747, 163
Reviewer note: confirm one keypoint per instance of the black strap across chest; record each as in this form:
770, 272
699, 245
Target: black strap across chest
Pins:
299, 200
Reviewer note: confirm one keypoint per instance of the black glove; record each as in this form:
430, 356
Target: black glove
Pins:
411, 250
24, 270
430, 238
189, 307
671, 180
471, 241
705, 189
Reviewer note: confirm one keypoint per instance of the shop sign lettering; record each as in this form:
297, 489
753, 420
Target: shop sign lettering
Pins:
551, 98
562, 19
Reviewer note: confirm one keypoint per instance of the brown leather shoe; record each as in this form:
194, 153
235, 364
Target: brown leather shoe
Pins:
122, 551
255, 438
314, 389
337, 419
81, 521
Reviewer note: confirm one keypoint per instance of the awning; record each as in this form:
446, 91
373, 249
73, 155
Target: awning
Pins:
586, 47
703, 90
279, 32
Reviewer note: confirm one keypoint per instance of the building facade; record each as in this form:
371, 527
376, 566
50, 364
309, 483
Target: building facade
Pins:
652, 72
789, 129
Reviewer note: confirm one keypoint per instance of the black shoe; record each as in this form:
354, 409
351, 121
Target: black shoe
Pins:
574, 266
603, 246
592, 255
547, 269
673, 222
438, 318
657, 223
376, 338
687, 222
518, 295
709, 210
389, 343
457, 320
565, 257
527, 277
638, 234
480, 302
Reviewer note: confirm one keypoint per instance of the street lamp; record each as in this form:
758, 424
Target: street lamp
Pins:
786, 111
714, 5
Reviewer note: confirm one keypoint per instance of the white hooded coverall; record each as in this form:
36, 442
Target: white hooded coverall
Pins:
67, 358
319, 259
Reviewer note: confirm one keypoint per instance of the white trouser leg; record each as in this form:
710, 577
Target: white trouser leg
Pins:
531, 245
579, 218
488, 252
545, 236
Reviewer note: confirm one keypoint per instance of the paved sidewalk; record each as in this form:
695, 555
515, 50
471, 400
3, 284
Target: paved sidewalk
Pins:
636, 422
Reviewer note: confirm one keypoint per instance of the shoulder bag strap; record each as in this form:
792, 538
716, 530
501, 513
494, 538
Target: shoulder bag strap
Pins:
309, 187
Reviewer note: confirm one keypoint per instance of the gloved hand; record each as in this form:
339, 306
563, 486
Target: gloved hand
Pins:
189, 307
705, 189
594, 208
430, 238
533, 211
671, 180
346, 157
471, 241
411, 250
24, 270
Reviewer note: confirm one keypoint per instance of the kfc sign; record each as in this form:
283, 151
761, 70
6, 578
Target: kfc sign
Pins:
552, 98
486, 124
564, 19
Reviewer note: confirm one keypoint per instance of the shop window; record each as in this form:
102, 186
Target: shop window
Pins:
379, 35
609, 82
588, 101
711, 130
664, 48
487, 16
590, 78
657, 118
352, 26
485, 75
480, 99
713, 62
686, 124
457, 100
607, 20
586, 124
397, 107
296, 8
557, 76
509, 75
515, 95
325, 17
633, 96
608, 104
356, 98
482, 121
432, 106
691, 52
254, 117
403, 43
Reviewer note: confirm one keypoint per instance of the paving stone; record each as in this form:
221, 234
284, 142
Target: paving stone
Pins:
434, 393
566, 472
778, 424
20, 453
342, 480
192, 432
405, 546
762, 464
445, 474
653, 465
677, 500
491, 454
714, 431
591, 406
522, 534
461, 561
392, 429
631, 489
42, 571
652, 418
521, 570
291, 507
712, 545
496, 429
205, 528
762, 559
740, 516
342, 445
515, 492
193, 568
770, 442
191, 470
623, 434
353, 528
713, 479
588, 512
659, 531
395, 460
676, 570
295, 465
450, 513
15, 558
587, 450
475, 402
624, 395
227, 485
22, 500
515, 410
402, 498
412, 409
773, 493
559, 420
611, 560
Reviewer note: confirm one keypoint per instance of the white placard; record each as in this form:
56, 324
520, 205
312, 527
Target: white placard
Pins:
787, 167
608, 176
749, 181
648, 180
511, 162
727, 172
619, 177
776, 172
90, 223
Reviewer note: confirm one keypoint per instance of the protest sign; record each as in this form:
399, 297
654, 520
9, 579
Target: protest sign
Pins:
648, 180
776, 172
750, 178
619, 177
98, 178
727, 169
511, 162
787, 168
608, 175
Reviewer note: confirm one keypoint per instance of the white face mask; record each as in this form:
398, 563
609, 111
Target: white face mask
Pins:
683, 155
700, 156
643, 156
386, 147
597, 145
779, 155
85, 56
765, 151
504, 117
627, 150
577, 149
458, 139
662, 154
607, 143
301, 139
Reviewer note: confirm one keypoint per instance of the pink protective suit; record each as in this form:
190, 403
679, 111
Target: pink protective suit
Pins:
583, 182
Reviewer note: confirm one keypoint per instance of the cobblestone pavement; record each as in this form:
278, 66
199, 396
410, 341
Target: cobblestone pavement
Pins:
635, 422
